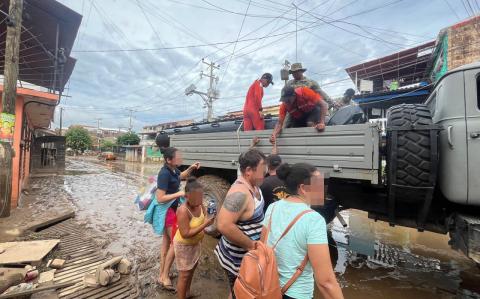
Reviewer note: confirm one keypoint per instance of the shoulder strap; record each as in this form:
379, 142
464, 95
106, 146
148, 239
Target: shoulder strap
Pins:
290, 225
295, 275
302, 265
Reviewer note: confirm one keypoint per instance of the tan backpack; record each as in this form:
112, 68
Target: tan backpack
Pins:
258, 275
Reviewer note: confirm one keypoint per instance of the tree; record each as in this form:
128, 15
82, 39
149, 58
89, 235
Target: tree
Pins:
107, 145
78, 138
129, 138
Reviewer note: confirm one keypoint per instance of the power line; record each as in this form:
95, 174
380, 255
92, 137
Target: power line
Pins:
238, 36
451, 8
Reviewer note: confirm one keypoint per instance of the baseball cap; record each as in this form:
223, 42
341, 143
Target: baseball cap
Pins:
274, 161
349, 92
287, 92
269, 78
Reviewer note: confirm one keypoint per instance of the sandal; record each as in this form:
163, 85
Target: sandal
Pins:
193, 295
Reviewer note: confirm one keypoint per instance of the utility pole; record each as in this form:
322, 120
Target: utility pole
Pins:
212, 94
9, 96
130, 110
98, 132
61, 115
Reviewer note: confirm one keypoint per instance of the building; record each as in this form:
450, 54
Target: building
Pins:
269, 110
99, 134
150, 151
44, 66
397, 78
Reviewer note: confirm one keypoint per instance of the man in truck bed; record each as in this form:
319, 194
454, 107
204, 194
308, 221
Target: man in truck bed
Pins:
305, 107
299, 80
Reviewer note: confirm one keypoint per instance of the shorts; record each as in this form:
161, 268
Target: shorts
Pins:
308, 119
186, 255
231, 282
170, 218
171, 221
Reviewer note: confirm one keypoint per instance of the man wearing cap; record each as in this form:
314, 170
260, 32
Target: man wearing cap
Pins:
305, 108
252, 109
346, 100
299, 80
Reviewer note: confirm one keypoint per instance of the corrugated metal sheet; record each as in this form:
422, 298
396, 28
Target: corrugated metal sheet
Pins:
350, 151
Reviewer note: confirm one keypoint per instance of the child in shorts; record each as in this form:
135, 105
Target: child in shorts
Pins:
191, 221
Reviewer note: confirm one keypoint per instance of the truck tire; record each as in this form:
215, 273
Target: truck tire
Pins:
214, 188
413, 146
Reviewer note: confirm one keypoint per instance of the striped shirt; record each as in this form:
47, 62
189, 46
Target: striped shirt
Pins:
230, 255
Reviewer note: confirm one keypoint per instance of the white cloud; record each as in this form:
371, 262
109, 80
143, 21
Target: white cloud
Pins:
113, 81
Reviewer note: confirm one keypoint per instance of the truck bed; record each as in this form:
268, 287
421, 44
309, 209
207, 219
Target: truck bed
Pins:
349, 151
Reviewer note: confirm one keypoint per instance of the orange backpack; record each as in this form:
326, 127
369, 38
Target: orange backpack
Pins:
258, 275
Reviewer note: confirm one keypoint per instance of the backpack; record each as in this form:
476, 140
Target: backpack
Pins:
258, 274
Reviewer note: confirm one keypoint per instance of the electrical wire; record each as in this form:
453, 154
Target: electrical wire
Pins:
235, 45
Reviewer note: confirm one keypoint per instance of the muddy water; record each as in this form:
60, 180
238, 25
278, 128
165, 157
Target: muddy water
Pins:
372, 260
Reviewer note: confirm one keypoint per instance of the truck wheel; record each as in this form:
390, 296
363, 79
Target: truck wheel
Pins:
214, 188
413, 146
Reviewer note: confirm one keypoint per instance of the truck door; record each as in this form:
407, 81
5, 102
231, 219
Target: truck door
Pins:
448, 109
472, 98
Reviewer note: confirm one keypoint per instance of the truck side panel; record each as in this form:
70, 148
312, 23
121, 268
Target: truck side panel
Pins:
350, 151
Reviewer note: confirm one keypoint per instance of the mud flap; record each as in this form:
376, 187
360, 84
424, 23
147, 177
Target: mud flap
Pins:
466, 236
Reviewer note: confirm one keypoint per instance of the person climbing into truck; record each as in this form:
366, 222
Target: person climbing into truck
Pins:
299, 80
252, 109
305, 107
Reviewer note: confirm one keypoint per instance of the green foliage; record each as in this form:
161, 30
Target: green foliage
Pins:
107, 145
129, 138
78, 139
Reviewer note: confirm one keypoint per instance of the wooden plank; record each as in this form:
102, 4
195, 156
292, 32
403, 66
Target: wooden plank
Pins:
36, 290
26, 252
45, 222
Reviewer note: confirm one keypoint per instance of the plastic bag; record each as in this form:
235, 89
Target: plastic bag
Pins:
146, 194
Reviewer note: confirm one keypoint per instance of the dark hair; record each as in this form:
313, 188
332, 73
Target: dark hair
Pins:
168, 152
251, 158
273, 161
295, 175
192, 184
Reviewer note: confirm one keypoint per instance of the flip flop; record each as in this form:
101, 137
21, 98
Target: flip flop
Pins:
169, 288
193, 295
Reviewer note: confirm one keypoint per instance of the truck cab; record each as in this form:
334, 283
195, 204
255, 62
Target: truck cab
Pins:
455, 105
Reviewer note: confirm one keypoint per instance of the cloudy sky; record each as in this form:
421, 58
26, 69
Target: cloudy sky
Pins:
150, 80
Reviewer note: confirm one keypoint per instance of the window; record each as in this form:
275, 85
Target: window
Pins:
478, 91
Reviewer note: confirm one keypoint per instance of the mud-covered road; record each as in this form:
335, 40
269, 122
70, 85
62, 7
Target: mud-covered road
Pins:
374, 260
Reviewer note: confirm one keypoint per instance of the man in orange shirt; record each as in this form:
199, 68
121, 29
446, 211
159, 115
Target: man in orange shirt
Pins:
252, 109
305, 107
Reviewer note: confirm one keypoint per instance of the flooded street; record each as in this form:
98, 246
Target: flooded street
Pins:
374, 260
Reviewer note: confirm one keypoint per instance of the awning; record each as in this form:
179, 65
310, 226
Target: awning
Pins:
41, 19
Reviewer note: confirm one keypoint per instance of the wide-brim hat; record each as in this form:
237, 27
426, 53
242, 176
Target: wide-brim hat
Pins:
296, 67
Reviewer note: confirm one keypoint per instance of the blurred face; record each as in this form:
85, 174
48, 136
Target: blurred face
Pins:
256, 176
298, 75
314, 192
177, 160
265, 82
195, 197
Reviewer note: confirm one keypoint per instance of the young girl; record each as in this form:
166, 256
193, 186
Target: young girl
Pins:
191, 221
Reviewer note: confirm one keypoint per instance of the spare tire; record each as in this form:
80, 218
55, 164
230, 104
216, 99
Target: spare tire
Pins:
413, 147
215, 189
